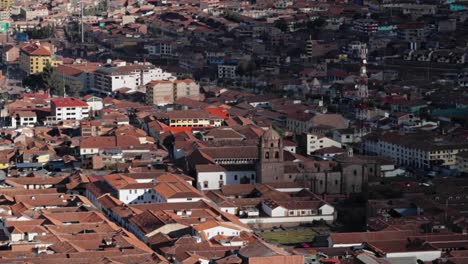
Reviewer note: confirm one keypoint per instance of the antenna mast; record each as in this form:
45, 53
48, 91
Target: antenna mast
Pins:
82, 28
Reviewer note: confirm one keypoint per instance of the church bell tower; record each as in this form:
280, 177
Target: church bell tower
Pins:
270, 167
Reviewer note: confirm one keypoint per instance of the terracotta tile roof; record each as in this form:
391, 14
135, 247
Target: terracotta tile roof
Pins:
209, 168
184, 114
212, 224
179, 189
36, 50
234, 152
98, 142
42, 180
224, 133
67, 70
68, 102
301, 116
292, 204
119, 181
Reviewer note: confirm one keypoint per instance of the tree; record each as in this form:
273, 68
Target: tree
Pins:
375, 16
316, 23
281, 24
33, 82
95, 10
72, 32
46, 76
41, 33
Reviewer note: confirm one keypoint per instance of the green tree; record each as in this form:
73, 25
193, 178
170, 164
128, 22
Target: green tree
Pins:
33, 82
72, 32
95, 10
375, 16
281, 24
41, 33
316, 23
46, 77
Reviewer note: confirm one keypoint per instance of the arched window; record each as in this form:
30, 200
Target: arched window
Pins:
272, 145
267, 155
276, 154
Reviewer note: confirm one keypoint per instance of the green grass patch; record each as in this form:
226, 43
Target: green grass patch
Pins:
289, 236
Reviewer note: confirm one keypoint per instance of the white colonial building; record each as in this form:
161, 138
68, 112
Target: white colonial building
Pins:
214, 176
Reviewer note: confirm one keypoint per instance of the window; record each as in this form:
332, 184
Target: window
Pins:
252, 176
221, 177
267, 155
276, 154
355, 172
235, 177
205, 184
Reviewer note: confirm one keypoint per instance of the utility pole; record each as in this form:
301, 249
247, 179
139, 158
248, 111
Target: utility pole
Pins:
82, 28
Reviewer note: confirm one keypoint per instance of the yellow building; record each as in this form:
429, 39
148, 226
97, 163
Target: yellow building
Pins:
5, 4
34, 57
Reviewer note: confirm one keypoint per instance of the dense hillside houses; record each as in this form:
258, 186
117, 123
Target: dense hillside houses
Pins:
234, 132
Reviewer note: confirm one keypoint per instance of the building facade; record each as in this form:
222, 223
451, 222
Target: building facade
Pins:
419, 150
35, 56
111, 79
69, 109
167, 92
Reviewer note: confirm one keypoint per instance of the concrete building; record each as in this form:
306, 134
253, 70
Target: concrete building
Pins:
110, 79
193, 118
302, 122
6, 4
32, 13
69, 109
417, 10
422, 150
79, 77
24, 118
313, 142
226, 71
162, 92
34, 57
10, 54
365, 26
462, 162
160, 48
95, 103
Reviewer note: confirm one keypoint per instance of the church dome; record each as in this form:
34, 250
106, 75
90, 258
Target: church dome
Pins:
271, 134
